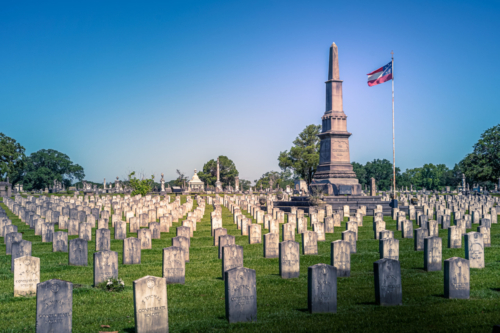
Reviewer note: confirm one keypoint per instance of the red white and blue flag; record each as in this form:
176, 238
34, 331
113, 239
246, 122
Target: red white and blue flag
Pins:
381, 75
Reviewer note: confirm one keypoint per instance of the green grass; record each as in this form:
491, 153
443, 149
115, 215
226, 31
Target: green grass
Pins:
198, 306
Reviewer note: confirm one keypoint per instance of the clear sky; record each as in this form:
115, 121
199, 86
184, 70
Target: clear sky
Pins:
155, 86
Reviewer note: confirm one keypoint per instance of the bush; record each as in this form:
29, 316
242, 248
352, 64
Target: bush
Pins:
115, 285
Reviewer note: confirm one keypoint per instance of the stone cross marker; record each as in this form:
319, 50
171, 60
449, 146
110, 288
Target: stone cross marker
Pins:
105, 266
54, 306
388, 289
322, 289
102, 240
150, 305
26, 275
78, 252
432, 253
232, 257
474, 249
131, 251
174, 265
20, 249
241, 294
289, 259
456, 278
341, 257
309, 243
183, 243
60, 242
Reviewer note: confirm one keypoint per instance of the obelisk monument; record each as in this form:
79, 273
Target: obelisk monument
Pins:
335, 175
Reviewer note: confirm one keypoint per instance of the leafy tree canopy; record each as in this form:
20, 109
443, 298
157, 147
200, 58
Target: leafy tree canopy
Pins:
280, 179
12, 159
381, 170
140, 186
303, 157
47, 165
227, 170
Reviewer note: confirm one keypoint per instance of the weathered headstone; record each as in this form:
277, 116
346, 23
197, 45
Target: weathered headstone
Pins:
54, 306
340, 252
454, 237
289, 259
418, 237
26, 275
378, 227
60, 242
85, 231
254, 232
154, 228
456, 278
120, 230
433, 254
388, 289
389, 248
134, 225
486, 232
218, 233
271, 242
105, 266
309, 243
322, 289
225, 240
474, 249
174, 265
240, 294
78, 252
47, 232
288, 231
232, 257
10, 238
407, 227
19, 249
183, 243
103, 240
145, 236
131, 251
350, 237
319, 229
73, 226
150, 305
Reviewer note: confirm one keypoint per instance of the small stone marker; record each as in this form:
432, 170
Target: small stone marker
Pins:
474, 249
352, 226
218, 233
150, 305
322, 289
154, 227
174, 265
225, 240
101, 224
60, 242
240, 294
419, 236
486, 232
288, 231
386, 234
309, 243
274, 226
389, 248
183, 231
319, 229
145, 237
456, 278
254, 231
378, 227
183, 243
131, 251
271, 242
433, 254
103, 240
10, 238
105, 266
232, 257
350, 237
134, 224
388, 289
340, 252
329, 225
78, 252
407, 229
454, 237
73, 227
120, 230
85, 231
47, 232
19, 249
26, 275
54, 306
432, 228
289, 259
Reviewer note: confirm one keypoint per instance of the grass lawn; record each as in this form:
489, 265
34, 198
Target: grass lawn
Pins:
198, 305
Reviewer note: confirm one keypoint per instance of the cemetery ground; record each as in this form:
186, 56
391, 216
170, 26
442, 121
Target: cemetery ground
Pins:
198, 305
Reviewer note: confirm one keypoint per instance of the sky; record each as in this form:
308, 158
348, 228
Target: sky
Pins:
155, 86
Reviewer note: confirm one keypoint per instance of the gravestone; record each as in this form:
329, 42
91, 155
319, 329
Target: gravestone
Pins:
456, 278
378, 227
254, 231
329, 225
432, 228
419, 236
145, 237
131, 251
134, 225
54, 306
319, 229
60, 242
73, 226
216, 223
103, 240
85, 231
309, 243
432, 254
389, 248
232, 257
218, 233
407, 231
183, 243
274, 226
289, 259
174, 265
474, 249
154, 228
350, 237
340, 256
105, 266
322, 289
183, 231
486, 232
301, 225
19, 249
288, 231
26, 275
388, 289
63, 222
78, 252
225, 240
240, 295
352, 226
271, 242
47, 232
120, 230
454, 237
10, 238
150, 305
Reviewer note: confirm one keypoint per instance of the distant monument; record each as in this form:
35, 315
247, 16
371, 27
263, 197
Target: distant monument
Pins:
218, 184
335, 174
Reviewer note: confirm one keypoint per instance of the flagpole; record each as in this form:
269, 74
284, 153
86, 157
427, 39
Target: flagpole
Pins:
393, 140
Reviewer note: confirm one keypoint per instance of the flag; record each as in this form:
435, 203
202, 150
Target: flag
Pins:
381, 75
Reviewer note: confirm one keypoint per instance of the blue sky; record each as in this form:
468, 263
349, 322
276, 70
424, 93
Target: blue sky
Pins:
159, 86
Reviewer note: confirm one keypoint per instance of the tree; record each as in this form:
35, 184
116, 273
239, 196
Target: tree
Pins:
483, 164
12, 159
181, 179
142, 186
360, 171
47, 165
280, 179
381, 170
227, 171
245, 184
303, 157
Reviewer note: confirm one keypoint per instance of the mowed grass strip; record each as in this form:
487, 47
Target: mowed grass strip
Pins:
198, 306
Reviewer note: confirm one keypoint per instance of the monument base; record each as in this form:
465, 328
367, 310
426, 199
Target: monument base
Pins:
337, 186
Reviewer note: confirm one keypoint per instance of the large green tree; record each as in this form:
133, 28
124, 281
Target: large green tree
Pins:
12, 159
47, 165
227, 171
280, 179
381, 170
303, 157
483, 164
360, 172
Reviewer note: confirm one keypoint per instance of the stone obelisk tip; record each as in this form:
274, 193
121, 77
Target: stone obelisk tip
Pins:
333, 70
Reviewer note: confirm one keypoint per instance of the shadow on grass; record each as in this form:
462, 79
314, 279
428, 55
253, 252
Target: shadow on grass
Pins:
367, 303
129, 330
305, 310
495, 289
421, 268
439, 296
